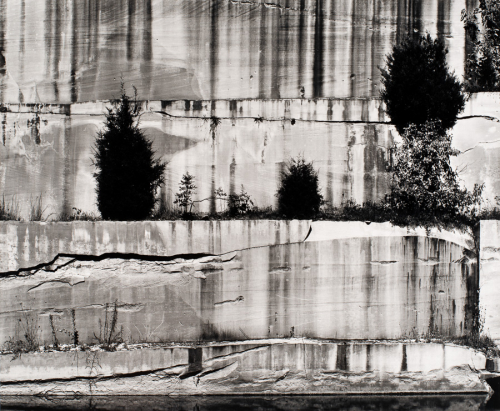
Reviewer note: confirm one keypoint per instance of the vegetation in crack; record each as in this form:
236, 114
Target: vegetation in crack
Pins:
482, 68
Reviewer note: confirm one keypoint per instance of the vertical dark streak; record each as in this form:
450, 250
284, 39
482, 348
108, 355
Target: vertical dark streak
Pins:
22, 47
147, 52
400, 26
148, 32
262, 53
48, 37
283, 52
301, 58
74, 52
4, 123
130, 29
404, 362
57, 48
2, 50
352, 48
275, 63
417, 17
318, 52
376, 40
67, 180
213, 49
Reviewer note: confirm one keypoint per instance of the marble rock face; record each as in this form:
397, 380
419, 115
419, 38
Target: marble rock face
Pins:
331, 281
78, 50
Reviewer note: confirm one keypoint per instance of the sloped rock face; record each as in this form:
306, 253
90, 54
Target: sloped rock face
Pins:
267, 366
345, 281
66, 51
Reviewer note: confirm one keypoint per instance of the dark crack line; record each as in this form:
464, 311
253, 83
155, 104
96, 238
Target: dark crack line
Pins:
95, 377
491, 118
96, 258
479, 142
164, 113
53, 281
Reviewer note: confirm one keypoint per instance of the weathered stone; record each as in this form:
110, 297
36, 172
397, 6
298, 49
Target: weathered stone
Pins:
197, 50
352, 281
268, 366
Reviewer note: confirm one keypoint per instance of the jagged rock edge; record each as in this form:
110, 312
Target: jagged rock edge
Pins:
26, 271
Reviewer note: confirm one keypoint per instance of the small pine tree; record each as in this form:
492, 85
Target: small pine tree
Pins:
418, 86
127, 174
299, 195
187, 188
425, 189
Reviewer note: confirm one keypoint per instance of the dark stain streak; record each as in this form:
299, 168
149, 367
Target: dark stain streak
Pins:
318, 52
148, 32
56, 34
342, 358
130, 29
404, 363
213, 48
74, 53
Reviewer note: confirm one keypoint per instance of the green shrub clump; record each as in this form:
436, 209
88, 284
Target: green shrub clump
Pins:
299, 195
127, 174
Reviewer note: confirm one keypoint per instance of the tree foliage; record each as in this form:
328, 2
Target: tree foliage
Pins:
418, 86
425, 189
482, 69
127, 174
299, 195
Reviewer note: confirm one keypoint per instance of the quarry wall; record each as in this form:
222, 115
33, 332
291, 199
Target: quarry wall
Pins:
66, 51
294, 279
47, 150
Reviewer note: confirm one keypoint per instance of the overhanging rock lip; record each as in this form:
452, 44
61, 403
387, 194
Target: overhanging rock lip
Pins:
336, 230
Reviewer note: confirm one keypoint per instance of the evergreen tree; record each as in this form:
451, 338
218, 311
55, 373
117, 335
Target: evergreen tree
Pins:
127, 174
418, 86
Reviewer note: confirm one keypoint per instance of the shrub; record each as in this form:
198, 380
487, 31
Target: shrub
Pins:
239, 204
299, 195
418, 86
482, 69
425, 189
127, 175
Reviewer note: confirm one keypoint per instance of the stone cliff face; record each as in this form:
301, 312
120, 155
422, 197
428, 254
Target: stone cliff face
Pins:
67, 50
180, 281
347, 140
